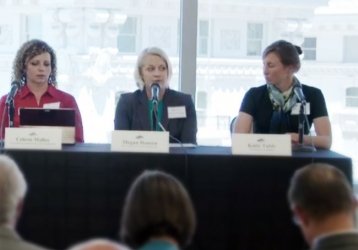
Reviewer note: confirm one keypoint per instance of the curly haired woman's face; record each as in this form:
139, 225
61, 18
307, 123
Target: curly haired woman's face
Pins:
38, 69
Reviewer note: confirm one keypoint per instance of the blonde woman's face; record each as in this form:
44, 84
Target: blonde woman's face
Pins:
38, 69
154, 70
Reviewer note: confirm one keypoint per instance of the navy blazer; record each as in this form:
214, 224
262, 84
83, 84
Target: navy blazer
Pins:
132, 113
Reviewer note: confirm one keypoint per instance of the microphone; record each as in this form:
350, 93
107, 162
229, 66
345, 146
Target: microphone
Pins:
155, 88
15, 85
155, 99
297, 89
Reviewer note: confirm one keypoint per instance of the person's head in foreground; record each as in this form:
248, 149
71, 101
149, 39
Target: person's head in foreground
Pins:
12, 192
98, 244
157, 211
322, 201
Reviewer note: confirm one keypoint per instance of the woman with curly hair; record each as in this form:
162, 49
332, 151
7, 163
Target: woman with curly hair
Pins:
35, 69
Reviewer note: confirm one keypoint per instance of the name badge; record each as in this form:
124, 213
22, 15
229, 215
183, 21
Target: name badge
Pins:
140, 141
53, 105
176, 112
261, 144
33, 138
296, 109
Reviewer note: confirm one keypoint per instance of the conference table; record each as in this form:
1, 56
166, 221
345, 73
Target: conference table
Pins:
78, 193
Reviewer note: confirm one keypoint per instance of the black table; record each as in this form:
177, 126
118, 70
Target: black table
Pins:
241, 203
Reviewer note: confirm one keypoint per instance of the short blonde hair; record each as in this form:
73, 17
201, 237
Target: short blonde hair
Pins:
150, 51
12, 189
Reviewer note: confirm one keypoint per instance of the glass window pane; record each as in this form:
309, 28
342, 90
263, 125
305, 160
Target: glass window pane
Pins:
254, 31
309, 54
309, 48
240, 30
350, 49
204, 28
97, 43
254, 48
309, 42
203, 38
129, 26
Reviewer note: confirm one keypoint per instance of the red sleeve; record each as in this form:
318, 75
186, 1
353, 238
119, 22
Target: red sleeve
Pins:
3, 116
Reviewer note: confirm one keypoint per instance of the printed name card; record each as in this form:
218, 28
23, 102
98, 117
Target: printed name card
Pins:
140, 141
33, 138
261, 144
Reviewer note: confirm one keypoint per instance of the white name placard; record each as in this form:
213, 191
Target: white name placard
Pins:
261, 144
33, 138
140, 141
68, 133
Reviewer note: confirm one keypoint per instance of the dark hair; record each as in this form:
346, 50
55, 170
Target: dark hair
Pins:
286, 51
156, 205
321, 190
26, 52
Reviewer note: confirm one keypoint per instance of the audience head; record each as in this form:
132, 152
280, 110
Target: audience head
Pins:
321, 199
153, 65
157, 206
12, 191
98, 244
26, 53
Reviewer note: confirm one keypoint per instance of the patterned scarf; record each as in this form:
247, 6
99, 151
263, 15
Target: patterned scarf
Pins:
282, 104
281, 101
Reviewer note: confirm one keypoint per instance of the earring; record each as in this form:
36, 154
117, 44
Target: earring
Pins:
50, 80
23, 79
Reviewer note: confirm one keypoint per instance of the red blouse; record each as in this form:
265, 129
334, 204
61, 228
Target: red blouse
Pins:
25, 98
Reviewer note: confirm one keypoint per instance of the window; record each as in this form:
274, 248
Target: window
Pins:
254, 39
97, 43
238, 33
350, 49
352, 97
203, 38
127, 36
309, 48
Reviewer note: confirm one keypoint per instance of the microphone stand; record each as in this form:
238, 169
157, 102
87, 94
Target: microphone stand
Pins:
11, 112
155, 115
300, 147
301, 123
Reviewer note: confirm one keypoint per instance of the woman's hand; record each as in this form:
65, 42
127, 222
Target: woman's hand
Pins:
294, 138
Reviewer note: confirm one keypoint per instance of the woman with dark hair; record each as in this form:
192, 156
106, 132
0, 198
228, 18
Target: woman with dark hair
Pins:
35, 69
158, 213
273, 108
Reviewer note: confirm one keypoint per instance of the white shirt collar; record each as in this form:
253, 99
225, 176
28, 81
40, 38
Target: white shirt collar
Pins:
323, 236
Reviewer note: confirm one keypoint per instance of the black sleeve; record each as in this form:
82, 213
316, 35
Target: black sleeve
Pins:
122, 116
248, 103
318, 106
188, 133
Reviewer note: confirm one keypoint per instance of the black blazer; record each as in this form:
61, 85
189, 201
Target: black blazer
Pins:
132, 113
342, 241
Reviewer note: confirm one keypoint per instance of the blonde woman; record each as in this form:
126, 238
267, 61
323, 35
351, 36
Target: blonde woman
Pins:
175, 110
